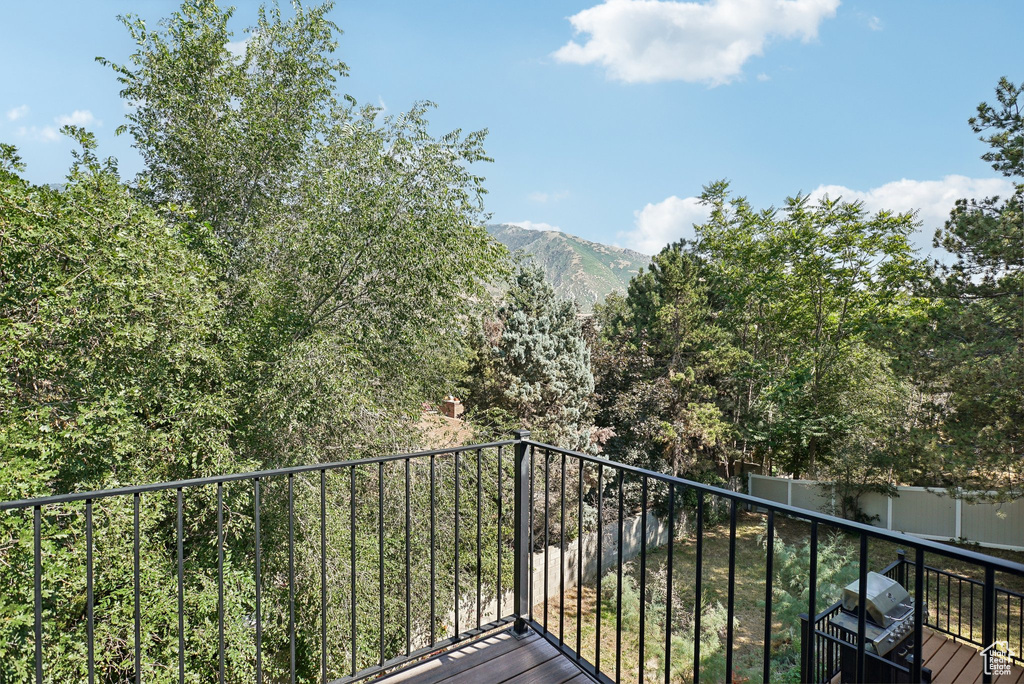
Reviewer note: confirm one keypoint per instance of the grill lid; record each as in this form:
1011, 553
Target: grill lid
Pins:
886, 600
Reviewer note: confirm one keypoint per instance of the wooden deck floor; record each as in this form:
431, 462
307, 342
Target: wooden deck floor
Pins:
499, 659
505, 659
953, 662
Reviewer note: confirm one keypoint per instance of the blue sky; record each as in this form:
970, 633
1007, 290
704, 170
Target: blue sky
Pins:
606, 119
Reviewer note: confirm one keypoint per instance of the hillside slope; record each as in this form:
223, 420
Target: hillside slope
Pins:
578, 269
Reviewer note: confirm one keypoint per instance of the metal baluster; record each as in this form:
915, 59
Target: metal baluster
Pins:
220, 580
618, 588
181, 594
479, 523
38, 568
561, 560
457, 543
915, 667
579, 563
547, 527
698, 582
769, 577
949, 578
862, 590
643, 574
959, 607
352, 562
323, 576
812, 600
668, 584
137, 582
971, 612
408, 558
500, 597
433, 513
259, 614
90, 625
600, 563
291, 576
730, 610
1007, 618
380, 553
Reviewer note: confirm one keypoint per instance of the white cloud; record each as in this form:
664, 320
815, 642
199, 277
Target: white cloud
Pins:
237, 48
545, 197
530, 225
79, 117
874, 23
656, 225
643, 41
17, 112
44, 134
931, 199
763, 77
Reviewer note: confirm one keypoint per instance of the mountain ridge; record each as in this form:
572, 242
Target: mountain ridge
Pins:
577, 268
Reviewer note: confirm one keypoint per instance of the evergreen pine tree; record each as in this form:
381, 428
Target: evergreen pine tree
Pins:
542, 363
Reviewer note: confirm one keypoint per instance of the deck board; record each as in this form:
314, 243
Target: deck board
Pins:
952, 662
501, 658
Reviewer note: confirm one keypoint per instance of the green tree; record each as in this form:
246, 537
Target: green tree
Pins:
661, 360
976, 331
223, 134
116, 370
533, 363
876, 446
287, 281
800, 289
355, 243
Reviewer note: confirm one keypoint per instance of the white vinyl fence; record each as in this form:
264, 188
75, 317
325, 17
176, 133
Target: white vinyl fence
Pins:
928, 513
657, 536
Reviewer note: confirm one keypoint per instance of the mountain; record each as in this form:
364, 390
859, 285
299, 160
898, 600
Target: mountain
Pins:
578, 269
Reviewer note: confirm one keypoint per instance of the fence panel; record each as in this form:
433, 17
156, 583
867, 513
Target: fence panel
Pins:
916, 510
998, 524
921, 511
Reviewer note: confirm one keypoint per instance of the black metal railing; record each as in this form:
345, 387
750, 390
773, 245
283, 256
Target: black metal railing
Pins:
829, 640
819, 656
435, 479
574, 507
951, 599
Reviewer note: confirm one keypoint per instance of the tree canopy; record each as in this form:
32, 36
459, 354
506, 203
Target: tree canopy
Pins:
975, 360
532, 363
286, 281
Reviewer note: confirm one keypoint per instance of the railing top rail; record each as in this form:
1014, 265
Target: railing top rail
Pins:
969, 580
234, 477
981, 559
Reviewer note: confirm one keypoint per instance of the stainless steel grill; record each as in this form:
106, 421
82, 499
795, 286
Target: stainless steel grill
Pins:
889, 627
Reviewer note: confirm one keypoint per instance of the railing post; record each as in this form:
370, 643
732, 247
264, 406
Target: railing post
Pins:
901, 569
988, 617
521, 565
805, 666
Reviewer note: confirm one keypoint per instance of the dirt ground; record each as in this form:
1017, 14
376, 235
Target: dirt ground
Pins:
439, 432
